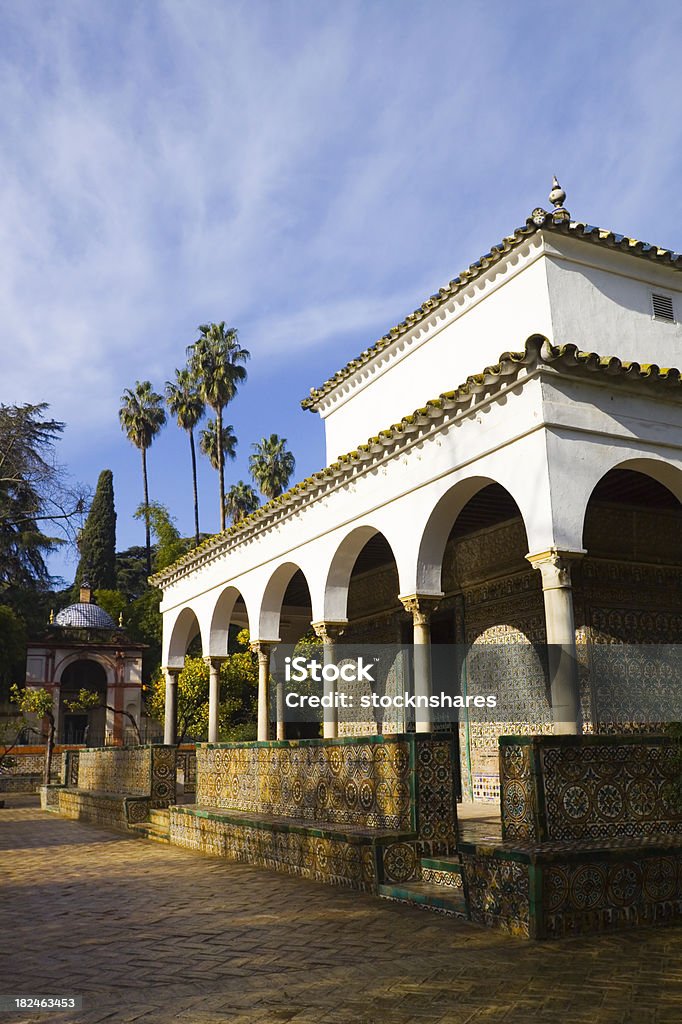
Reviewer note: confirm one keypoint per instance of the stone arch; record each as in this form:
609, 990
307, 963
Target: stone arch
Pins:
221, 619
273, 597
337, 584
105, 663
662, 472
185, 627
439, 525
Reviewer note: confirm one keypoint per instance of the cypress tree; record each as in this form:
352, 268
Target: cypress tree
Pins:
97, 541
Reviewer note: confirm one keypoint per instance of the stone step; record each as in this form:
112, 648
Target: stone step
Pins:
160, 817
446, 899
150, 830
445, 872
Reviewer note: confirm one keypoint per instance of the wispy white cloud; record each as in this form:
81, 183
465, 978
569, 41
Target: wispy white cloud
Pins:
308, 172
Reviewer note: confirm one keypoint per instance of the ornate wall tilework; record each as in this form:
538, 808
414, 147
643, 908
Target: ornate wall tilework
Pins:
436, 795
609, 789
499, 893
579, 898
330, 860
518, 800
450, 879
572, 788
366, 784
163, 776
125, 771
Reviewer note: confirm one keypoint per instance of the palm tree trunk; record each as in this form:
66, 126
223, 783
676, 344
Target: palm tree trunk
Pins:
194, 484
148, 539
221, 465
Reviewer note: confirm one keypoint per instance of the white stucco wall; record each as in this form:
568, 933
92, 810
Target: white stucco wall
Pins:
495, 314
601, 302
572, 291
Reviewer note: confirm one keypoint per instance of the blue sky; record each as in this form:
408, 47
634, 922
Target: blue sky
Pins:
308, 172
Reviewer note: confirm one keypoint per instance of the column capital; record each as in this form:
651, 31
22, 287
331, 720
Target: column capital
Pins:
215, 660
172, 672
555, 567
329, 631
421, 606
263, 647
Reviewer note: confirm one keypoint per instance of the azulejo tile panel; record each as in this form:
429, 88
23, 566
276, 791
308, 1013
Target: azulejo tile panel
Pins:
609, 790
355, 783
163, 776
322, 859
588, 787
517, 793
499, 893
598, 895
124, 771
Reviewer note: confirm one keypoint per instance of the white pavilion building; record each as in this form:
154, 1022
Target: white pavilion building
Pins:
503, 467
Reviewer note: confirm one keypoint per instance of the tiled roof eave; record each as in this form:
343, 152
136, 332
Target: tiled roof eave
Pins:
547, 222
537, 354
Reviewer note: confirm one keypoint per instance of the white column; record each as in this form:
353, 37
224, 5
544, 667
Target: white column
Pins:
213, 696
421, 607
170, 726
262, 649
555, 567
329, 633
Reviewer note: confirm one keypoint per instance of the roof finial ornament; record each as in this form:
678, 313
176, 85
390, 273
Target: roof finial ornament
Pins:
52, 616
557, 198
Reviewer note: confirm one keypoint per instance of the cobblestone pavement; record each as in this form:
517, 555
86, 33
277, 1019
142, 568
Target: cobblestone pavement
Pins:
151, 933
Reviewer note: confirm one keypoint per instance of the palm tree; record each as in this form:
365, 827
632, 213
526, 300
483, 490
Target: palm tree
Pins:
208, 442
184, 401
216, 362
142, 415
240, 501
272, 465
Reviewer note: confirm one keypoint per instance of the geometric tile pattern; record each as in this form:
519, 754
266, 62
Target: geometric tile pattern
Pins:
436, 811
116, 770
335, 861
596, 895
349, 782
163, 776
588, 787
610, 789
498, 892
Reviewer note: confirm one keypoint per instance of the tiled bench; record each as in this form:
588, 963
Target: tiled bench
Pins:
345, 855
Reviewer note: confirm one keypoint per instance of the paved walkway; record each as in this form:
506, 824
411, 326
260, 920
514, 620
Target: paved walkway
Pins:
148, 933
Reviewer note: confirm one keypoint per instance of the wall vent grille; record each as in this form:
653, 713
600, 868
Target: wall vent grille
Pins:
663, 307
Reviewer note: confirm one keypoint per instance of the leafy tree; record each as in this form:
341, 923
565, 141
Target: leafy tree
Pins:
170, 545
271, 465
33, 491
240, 501
97, 539
185, 403
12, 648
113, 602
208, 442
87, 699
131, 572
38, 702
216, 360
142, 416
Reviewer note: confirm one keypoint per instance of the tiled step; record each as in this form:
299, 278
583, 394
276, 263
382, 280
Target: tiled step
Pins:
445, 899
150, 830
445, 872
160, 817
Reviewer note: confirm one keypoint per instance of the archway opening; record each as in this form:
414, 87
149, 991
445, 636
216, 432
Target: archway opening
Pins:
488, 631
628, 598
87, 726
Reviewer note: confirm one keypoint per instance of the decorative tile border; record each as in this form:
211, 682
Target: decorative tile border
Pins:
588, 787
